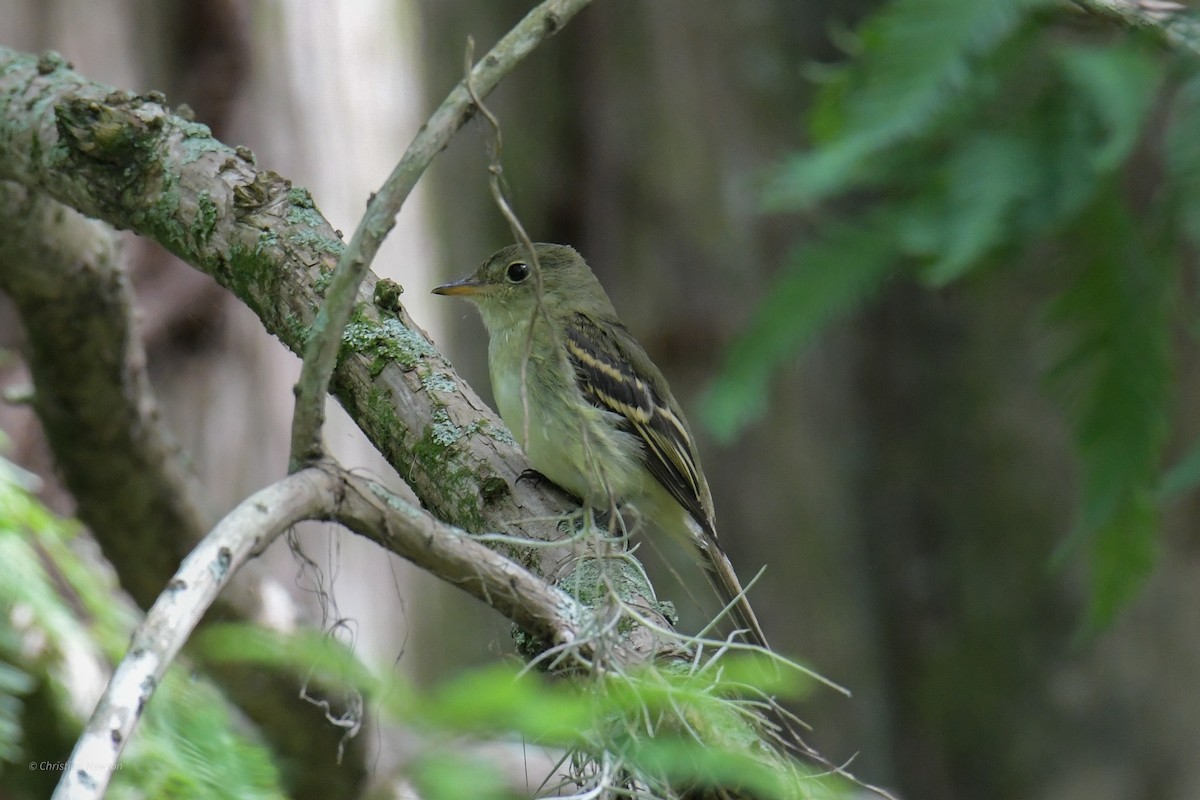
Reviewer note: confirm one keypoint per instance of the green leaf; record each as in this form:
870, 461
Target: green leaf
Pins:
1082, 131
1183, 477
1183, 156
826, 279
805, 179
737, 671
1124, 550
448, 776
1120, 84
186, 747
305, 652
1115, 377
688, 763
986, 178
15, 683
917, 59
502, 699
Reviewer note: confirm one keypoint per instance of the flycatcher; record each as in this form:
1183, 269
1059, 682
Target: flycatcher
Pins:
591, 410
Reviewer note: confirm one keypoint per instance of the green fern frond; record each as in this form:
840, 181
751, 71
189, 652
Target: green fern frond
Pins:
917, 59
1004, 185
971, 211
1115, 378
825, 279
1182, 477
186, 747
1183, 157
1120, 84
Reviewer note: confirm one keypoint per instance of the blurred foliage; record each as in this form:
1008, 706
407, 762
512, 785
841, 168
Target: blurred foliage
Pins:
997, 134
651, 727
187, 746
61, 624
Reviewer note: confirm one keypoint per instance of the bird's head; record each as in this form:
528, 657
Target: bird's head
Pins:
506, 288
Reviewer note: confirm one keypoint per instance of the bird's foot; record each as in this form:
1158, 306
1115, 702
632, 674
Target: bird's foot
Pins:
533, 476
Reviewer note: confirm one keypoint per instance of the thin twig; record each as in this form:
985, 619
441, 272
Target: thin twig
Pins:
495, 147
325, 338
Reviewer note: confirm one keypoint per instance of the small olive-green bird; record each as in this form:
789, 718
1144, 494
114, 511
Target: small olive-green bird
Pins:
590, 408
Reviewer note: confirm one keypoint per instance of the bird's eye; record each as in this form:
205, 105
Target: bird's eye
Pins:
517, 271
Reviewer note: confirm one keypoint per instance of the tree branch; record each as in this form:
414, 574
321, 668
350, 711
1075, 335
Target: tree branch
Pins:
1178, 25
122, 466
323, 492
93, 395
169, 622
321, 351
126, 160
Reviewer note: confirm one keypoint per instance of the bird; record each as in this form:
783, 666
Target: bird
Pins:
589, 407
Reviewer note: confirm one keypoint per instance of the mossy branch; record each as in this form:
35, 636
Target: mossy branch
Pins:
127, 160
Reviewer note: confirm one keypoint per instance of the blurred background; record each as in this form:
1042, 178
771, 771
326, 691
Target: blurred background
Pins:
914, 473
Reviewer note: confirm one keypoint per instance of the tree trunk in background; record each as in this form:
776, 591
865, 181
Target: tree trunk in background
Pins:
957, 537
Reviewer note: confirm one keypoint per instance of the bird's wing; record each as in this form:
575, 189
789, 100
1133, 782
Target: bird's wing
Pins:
615, 374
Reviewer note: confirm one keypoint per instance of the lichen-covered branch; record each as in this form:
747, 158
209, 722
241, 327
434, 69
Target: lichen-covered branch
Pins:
127, 160
322, 350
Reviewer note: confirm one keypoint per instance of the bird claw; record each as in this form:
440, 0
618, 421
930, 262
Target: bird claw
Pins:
533, 476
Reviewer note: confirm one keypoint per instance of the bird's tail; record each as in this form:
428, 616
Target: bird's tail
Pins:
724, 580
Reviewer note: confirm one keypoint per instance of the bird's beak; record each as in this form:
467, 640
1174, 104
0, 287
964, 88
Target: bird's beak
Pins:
467, 287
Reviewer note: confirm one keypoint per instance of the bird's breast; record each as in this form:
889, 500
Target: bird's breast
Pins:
573, 443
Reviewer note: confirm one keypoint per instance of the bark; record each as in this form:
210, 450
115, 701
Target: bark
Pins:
92, 395
125, 159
